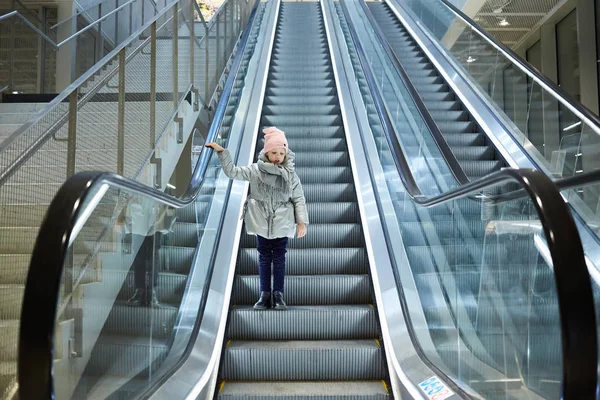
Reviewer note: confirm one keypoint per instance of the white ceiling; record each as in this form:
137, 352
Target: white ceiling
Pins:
523, 17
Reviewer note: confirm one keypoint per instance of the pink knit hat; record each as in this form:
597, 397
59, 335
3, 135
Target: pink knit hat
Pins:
274, 139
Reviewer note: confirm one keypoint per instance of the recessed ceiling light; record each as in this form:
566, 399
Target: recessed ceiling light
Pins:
471, 59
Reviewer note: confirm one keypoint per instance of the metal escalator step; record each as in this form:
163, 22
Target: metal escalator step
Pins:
323, 159
9, 345
179, 258
320, 192
126, 356
170, 287
450, 115
8, 368
468, 254
300, 91
325, 174
190, 213
335, 212
308, 290
336, 261
301, 68
294, 132
302, 120
321, 236
141, 322
303, 360
11, 301
464, 139
295, 101
283, 49
302, 75
184, 234
309, 144
283, 64
420, 233
300, 84
433, 97
457, 126
474, 153
310, 390
468, 208
480, 168
296, 109
304, 323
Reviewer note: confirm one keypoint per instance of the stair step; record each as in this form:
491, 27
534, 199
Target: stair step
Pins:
279, 360
308, 289
310, 390
303, 323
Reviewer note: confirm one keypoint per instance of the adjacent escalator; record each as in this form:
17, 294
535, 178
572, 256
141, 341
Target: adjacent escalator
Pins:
468, 142
328, 342
473, 261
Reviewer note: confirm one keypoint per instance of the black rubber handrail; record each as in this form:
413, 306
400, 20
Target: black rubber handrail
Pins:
573, 284
438, 137
42, 289
560, 94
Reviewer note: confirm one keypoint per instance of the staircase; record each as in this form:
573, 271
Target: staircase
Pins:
327, 344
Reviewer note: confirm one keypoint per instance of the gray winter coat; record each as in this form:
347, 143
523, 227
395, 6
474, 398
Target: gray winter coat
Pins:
276, 201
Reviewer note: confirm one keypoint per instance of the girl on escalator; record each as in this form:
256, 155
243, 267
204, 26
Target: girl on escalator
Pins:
275, 210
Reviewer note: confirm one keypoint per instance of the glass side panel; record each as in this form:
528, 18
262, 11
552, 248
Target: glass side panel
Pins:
133, 273
485, 310
557, 140
423, 155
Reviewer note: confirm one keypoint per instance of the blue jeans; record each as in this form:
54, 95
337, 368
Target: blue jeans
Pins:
271, 251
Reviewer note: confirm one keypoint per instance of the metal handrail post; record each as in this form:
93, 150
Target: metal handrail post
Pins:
175, 72
100, 44
117, 22
72, 133
121, 115
192, 42
218, 52
11, 59
206, 63
153, 86
130, 18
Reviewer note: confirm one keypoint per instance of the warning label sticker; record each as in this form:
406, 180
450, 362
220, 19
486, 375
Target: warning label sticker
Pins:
435, 389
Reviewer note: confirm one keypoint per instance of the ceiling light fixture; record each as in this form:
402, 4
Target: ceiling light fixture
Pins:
504, 22
471, 59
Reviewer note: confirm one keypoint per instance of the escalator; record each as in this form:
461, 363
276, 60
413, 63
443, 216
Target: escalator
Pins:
406, 285
468, 142
447, 243
328, 341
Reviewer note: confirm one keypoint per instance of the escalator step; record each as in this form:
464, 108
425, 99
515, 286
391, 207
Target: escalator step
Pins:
303, 323
318, 192
126, 356
139, 322
311, 261
309, 390
303, 360
303, 290
325, 175
323, 159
